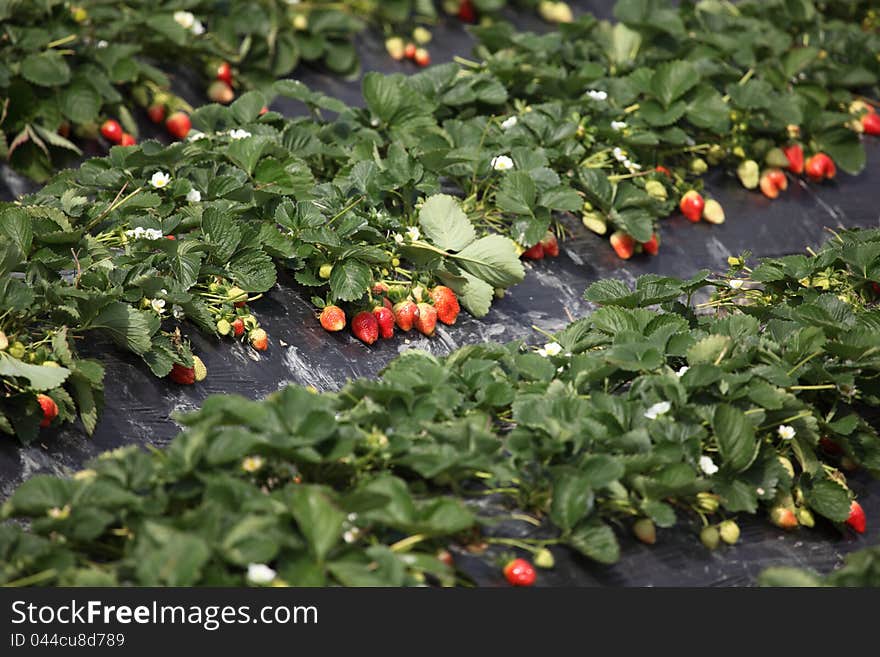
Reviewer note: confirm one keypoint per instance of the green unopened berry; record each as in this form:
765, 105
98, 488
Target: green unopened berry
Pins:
729, 532
544, 558
710, 537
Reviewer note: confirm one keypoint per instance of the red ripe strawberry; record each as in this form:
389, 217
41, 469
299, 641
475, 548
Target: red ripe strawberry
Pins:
820, 166
405, 314
795, 155
379, 289
445, 303
662, 169
170, 237
183, 375
365, 327
259, 339
466, 12
623, 245
652, 246
427, 319
220, 92
422, 57
520, 572
127, 140
692, 205
178, 125
50, 409
534, 253
156, 112
385, 320
332, 318
238, 327
410, 51
871, 124
830, 447
224, 73
112, 131
551, 245
856, 518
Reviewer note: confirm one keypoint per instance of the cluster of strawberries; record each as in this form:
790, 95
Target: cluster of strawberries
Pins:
369, 326
548, 247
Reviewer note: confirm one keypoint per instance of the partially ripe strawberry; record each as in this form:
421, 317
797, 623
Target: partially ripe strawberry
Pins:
662, 169
422, 57
405, 314
220, 92
645, 531
238, 327
871, 124
856, 518
445, 303
783, 517
259, 339
332, 318
820, 167
772, 182
427, 319
409, 51
692, 205
112, 131
365, 327
170, 237
156, 112
652, 246
624, 245
385, 320
50, 409
182, 374
224, 73
535, 252
795, 155
178, 125
520, 572
551, 245
127, 140
263, 110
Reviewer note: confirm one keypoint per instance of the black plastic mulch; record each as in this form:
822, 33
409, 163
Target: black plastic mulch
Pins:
139, 405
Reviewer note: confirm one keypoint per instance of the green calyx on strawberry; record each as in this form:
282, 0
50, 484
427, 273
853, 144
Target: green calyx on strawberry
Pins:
691, 205
520, 572
645, 531
445, 303
365, 327
652, 246
49, 408
624, 245
551, 245
820, 167
112, 131
405, 314
385, 320
795, 155
856, 519
182, 375
178, 125
426, 321
332, 318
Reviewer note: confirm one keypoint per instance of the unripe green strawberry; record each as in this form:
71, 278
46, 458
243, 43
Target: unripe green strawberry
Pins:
199, 370
715, 154
395, 47
236, 296
698, 166
729, 532
656, 190
325, 270
749, 174
776, 159
595, 222
710, 537
421, 36
713, 212
224, 327
645, 530
805, 517
17, 350
543, 558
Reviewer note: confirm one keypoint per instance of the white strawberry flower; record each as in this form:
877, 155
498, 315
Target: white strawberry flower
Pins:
682, 371
194, 196
502, 163
158, 305
252, 463
195, 135
198, 28
101, 44
59, 513
595, 94
239, 134
260, 573
413, 233
617, 126
152, 234
786, 432
656, 410
351, 535
178, 312
400, 239
551, 349
135, 233
707, 465
508, 123
160, 179
185, 19
736, 283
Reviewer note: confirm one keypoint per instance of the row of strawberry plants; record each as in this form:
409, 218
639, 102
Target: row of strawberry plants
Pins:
71, 71
647, 414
